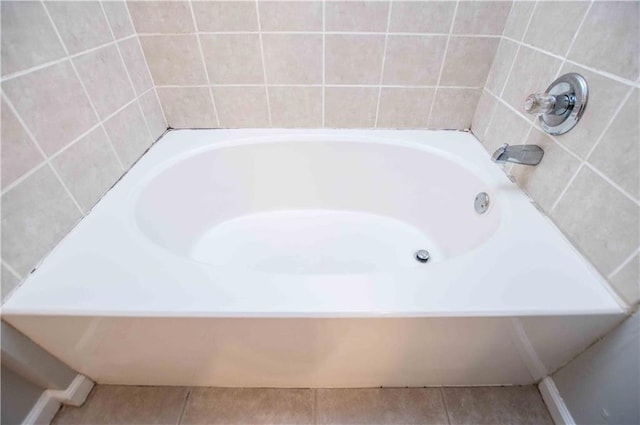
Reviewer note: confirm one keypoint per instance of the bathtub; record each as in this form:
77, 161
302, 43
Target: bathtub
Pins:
286, 258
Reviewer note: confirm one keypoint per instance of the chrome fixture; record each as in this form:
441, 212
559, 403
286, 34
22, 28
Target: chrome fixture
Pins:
560, 107
481, 203
520, 154
423, 255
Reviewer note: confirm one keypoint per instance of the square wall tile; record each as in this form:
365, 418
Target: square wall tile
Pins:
350, 107
291, 15
481, 17
602, 222
404, 108
350, 16
545, 181
293, 58
518, 19
118, 18
233, 58
295, 107
240, 107
105, 78
501, 66
52, 104
89, 167
609, 38
617, 155
468, 61
483, 114
454, 108
421, 16
129, 134
18, 152
550, 29
81, 24
36, 215
22, 47
353, 59
153, 114
627, 281
413, 60
187, 107
161, 16
505, 127
212, 16
136, 64
174, 59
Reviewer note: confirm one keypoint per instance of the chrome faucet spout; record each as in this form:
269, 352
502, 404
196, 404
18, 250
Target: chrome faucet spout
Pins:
520, 154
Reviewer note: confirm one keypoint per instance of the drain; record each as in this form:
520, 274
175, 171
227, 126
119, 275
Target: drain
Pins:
423, 255
481, 202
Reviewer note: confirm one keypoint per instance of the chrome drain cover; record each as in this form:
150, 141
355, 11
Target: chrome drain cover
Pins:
423, 255
481, 202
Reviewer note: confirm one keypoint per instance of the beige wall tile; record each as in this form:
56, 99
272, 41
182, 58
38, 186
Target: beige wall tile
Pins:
291, 15
522, 81
118, 18
129, 134
356, 15
136, 64
174, 59
350, 107
422, 16
153, 114
454, 108
380, 405
52, 104
554, 24
226, 15
468, 61
233, 58
404, 108
505, 127
482, 116
495, 405
481, 17
89, 167
36, 214
293, 107
18, 152
604, 99
545, 181
413, 60
120, 405
81, 24
241, 106
28, 38
609, 39
353, 59
187, 107
602, 222
293, 59
618, 153
9, 283
627, 281
105, 78
501, 66
518, 19
209, 406
161, 16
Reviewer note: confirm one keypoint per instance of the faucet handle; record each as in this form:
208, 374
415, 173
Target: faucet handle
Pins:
540, 104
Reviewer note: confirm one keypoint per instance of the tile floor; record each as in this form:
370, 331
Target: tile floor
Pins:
112, 404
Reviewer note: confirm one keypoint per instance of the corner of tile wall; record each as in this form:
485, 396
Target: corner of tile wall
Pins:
62, 87
588, 182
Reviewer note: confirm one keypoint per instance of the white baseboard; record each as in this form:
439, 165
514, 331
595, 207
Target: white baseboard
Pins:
49, 402
552, 398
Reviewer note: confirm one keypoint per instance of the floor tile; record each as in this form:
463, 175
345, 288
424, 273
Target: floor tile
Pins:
248, 406
496, 405
380, 406
126, 405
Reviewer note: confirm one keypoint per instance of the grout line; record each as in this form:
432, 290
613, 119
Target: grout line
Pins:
397, 86
444, 403
444, 59
184, 406
384, 57
575, 37
11, 270
363, 33
204, 64
324, 44
264, 66
624, 263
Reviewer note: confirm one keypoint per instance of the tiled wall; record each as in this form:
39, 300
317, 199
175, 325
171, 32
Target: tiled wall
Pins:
413, 64
78, 108
589, 179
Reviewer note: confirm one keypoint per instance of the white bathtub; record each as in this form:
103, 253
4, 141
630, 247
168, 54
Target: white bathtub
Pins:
285, 258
